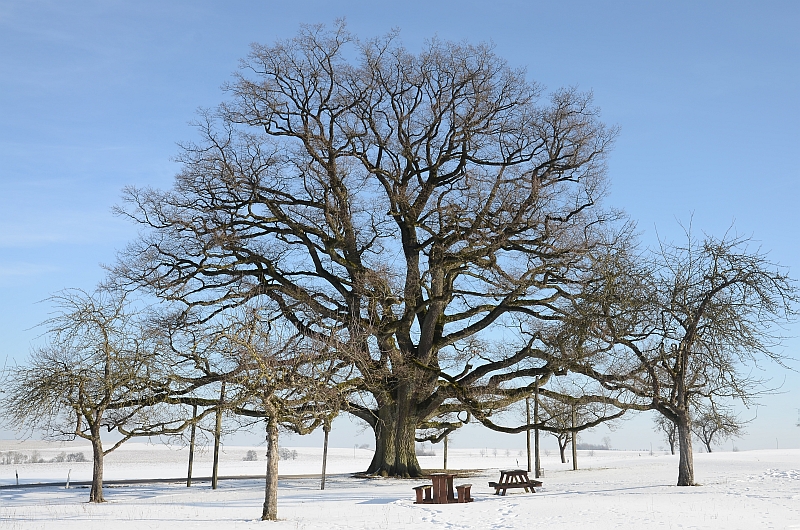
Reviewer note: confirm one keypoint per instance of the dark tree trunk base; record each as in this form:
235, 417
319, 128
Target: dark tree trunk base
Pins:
270, 511
96, 493
686, 459
395, 452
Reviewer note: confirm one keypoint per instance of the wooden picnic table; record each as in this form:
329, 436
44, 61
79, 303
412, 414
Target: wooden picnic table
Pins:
441, 490
514, 478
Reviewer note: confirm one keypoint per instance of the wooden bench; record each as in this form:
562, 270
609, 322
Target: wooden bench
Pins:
427, 489
464, 493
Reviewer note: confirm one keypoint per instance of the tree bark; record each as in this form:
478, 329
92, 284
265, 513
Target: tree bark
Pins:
686, 459
672, 439
562, 447
96, 493
217, 436
270, 512
395, 454
706, 438
383, 458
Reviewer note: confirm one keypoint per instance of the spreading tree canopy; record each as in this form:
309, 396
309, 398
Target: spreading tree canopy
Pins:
432, 212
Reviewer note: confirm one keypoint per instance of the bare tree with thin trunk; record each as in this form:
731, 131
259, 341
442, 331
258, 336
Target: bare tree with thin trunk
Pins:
714, 425
668, 429
100, 370
284, 378
685, 329
557, 418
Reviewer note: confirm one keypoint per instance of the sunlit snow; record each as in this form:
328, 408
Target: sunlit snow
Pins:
613, 489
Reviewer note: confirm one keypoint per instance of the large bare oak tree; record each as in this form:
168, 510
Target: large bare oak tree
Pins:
415, 206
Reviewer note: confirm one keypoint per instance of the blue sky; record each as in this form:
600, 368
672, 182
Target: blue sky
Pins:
94, 95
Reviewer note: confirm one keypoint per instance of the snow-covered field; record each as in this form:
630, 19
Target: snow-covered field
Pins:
613, 489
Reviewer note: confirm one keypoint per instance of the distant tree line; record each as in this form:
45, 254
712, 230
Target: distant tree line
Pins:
15, 457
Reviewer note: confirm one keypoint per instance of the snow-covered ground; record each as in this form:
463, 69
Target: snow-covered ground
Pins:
613, 489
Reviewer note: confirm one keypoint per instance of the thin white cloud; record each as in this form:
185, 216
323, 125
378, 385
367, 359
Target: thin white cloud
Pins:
22, 269
77, 227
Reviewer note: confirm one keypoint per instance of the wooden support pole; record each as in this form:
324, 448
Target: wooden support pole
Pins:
217, 437
537, 461
528, 430
445, 452
573, 435
327, 429
192, 440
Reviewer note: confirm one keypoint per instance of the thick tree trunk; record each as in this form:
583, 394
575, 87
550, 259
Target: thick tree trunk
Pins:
383, 458
395, 454
686, 461
96, 493
270, 512
562, 447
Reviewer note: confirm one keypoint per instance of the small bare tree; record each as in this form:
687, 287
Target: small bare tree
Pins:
715, 425
668, 429
282, 377
99, 370
686, 328
557, 417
